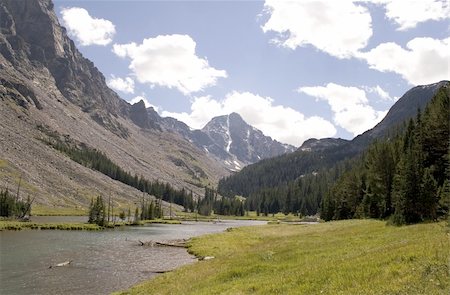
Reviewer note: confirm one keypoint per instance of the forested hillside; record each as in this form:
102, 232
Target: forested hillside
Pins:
298, 182
406, 178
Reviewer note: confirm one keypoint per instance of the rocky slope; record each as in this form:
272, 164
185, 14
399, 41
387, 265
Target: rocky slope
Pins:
46, 85
405, 108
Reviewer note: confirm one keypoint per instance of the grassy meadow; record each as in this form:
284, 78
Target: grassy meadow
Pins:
344, 257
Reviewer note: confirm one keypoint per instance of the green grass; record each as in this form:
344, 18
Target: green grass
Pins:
162, 221
17, 225
251, 216
345, 257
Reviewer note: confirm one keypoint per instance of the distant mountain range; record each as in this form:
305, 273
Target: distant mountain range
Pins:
48, 89
227, 138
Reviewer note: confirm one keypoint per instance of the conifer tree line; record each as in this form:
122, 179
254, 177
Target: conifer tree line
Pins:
12, 206
97, 160
291, 183
219, 205
404, 176
102, 214
151, 209
278, 172
406, 179
302, 196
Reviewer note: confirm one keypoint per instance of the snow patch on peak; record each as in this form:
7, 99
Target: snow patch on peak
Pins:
228, 134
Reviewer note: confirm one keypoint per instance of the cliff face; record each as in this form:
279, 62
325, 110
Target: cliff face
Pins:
47, 86
32, 38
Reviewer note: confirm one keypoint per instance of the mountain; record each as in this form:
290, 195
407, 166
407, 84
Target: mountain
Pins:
51, 96
242, 142
315, 154
404, 109
228, 139
314, 144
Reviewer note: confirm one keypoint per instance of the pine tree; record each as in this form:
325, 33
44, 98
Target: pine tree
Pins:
136, 216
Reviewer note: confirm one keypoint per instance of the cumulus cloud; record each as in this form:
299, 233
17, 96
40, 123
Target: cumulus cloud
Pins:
349, 104
343, 29
124, 85
170, 61
424, 61
383, 94
86, 29
339, 28
279, 122
407, 14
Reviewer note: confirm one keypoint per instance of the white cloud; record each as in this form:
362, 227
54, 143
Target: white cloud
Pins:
170, 61
339, 28
407, 14
124, 85
424, 61
146, 102
383, 94
349, 104
87, 29
279, 122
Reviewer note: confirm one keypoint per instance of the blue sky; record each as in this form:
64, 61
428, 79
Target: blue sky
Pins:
293, 69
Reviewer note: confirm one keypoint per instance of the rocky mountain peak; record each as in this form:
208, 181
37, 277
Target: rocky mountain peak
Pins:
32, 39
244, 142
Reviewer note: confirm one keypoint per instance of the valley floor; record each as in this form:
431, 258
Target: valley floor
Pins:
345, 257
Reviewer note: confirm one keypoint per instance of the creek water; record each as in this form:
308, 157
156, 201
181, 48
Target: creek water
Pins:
102, 261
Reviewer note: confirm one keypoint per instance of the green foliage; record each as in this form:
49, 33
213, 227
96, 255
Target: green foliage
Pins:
222, 206
14, 207
97, 212
405, 178
136, 216
122, 215
150, 210
277, 172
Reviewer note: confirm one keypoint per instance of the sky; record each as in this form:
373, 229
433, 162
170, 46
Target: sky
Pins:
293, 69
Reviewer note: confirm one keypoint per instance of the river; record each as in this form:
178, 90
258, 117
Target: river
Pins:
103, 261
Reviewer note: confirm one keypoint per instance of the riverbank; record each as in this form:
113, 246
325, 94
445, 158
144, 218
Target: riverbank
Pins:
345, 257
251, 215
20, 225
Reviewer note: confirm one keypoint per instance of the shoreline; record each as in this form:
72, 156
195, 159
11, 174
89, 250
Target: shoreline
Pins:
14, 225
348, 257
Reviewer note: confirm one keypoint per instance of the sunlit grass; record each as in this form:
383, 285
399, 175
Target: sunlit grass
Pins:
251, 215
345, 257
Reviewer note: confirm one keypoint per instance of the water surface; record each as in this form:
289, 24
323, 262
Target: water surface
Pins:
103, 261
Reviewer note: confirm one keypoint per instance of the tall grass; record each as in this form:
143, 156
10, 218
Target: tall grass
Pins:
345, 257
